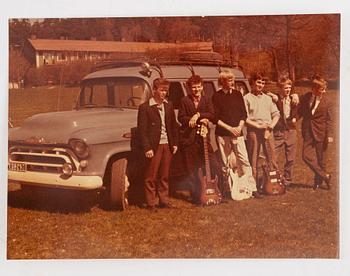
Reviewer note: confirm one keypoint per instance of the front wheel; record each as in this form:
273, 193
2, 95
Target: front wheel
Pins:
119, 184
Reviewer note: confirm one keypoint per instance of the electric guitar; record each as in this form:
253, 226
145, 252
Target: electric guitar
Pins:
273, 183
240, 183
210, 194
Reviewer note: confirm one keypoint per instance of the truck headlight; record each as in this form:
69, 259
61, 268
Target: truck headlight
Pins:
80, 148
67, 169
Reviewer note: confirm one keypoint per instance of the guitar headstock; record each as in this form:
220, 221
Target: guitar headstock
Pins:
202, 130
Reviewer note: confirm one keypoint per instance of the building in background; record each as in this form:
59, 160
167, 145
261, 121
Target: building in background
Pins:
41, 52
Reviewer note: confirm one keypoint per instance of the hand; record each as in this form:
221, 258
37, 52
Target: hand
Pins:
330, 139
267, 133
193, 121
236, 131
273, 96
262, 125
149, 154
174, 149
204, 121
294, 120
295, 99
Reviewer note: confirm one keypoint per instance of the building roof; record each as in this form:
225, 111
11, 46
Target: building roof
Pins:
111, 46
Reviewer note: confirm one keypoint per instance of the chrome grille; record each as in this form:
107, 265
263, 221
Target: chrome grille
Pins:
49, 160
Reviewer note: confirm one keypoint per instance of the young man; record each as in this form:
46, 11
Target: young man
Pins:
317, 129
194, 109
230, 116
285, 132
158, 131
263, 115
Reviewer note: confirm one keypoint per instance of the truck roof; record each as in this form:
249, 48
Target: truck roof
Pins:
170, 71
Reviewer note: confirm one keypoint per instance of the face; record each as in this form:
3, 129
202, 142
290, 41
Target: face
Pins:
319, 90
259, 85
228, 83
161, 92
286, 89
196, 89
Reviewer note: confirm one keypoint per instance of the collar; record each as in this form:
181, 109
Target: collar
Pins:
152, 101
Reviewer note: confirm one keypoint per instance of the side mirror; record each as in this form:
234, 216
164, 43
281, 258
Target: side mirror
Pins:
146, 69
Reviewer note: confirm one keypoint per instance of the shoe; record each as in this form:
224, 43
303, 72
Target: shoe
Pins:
328, 181
257, 195
316, 186
152, 209
166, 206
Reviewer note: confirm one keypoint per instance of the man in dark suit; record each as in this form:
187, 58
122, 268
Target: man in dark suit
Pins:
158, 132
285, 132
316, 129
194, 109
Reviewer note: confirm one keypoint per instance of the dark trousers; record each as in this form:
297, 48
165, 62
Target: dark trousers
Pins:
157, 176
313, 153
286, 140
255, 142
194, 159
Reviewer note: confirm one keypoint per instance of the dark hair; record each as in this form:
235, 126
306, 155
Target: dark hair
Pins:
194, 79
318, 82
257, 76
160, 81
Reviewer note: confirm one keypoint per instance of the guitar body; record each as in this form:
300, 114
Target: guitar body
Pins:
273, 183
239, 186
210, 194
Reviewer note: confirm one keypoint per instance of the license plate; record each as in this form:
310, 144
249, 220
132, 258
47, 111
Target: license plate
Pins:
17, 167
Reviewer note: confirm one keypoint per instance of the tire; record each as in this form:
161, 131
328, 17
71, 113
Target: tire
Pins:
119, 184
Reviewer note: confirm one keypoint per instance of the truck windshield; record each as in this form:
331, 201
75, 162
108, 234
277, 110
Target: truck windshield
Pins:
113, 92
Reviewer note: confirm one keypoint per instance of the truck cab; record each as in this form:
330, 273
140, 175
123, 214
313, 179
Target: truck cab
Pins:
94, 146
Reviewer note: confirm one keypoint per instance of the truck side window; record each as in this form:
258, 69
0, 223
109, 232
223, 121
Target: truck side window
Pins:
208, 89
175, 94
241, 87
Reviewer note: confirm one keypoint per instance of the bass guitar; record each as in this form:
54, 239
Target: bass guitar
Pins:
273, 183
210, 194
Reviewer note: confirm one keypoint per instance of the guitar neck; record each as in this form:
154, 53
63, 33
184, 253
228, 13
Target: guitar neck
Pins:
206, 158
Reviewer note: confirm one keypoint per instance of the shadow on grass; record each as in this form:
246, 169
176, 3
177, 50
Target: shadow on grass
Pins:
53, 200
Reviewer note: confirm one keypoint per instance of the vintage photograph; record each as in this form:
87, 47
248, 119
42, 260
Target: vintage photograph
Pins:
174, 137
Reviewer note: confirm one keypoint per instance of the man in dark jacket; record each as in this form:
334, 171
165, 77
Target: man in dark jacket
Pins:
284, 132
194, 109
158, 132
316, 129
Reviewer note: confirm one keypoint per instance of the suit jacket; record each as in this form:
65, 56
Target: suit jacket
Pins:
149, 126
186, 111
320, 125
284, 123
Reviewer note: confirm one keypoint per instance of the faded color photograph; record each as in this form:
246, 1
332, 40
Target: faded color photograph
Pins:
174, 137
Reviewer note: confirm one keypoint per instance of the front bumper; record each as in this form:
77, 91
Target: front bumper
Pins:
77, 182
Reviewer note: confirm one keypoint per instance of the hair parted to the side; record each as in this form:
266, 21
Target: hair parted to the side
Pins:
318, 82
194, 79
257, 76
160, 82
224, 75
285, 81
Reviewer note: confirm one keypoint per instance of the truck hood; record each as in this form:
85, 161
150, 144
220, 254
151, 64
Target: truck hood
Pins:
103, 124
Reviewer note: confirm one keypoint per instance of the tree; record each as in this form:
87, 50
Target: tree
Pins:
18, 66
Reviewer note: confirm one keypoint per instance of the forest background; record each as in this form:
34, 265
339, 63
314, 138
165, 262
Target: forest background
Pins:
280, 45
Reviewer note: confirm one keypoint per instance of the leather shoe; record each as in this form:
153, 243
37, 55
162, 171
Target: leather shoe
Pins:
328, 181
316, 186
257, 195
166, 206
152, 209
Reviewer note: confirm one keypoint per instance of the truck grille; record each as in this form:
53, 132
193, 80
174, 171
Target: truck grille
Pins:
48, 160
